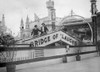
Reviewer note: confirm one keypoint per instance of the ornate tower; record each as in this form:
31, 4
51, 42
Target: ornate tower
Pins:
21, 28
3, 20
51, 12
22, 25
4, 28
36, 18
27, 23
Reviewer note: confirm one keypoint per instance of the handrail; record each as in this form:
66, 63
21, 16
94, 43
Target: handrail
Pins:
48, 58
47, 47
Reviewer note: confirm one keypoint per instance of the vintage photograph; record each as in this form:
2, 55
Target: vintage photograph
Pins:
49, 35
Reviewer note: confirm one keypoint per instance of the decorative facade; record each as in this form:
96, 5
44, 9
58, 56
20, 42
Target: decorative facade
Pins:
75, 25
50, 20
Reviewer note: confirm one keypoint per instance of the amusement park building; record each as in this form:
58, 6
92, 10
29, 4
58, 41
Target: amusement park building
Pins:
25, 31
74, 25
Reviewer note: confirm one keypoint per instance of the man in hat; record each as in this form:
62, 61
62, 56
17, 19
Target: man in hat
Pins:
44, 29
35, 31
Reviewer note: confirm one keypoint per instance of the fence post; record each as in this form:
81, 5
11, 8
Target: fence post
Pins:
65, 59
65, 56
78, 57
10, 67
98, 48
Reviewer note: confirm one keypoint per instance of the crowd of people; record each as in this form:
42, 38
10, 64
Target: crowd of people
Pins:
36, 31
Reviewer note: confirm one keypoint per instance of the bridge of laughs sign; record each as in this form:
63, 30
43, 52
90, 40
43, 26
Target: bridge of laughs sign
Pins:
51, 38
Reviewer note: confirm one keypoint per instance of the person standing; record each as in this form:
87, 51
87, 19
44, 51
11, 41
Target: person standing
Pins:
44, 29
35, 31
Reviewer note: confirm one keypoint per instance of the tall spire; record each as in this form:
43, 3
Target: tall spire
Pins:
4, 28
72, 13
27, 22
36, 18
22, 22
21, 28
27, 19
3, 19
22, 25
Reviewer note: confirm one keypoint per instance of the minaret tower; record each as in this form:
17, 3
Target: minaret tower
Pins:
27, 23
4, 28
22, 25
21, 28
3, 20
51, 12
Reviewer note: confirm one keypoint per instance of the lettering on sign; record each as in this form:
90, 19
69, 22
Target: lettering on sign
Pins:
52, 38
68, 39
42, 41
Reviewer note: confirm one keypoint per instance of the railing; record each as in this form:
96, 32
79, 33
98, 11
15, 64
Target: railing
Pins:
21, 55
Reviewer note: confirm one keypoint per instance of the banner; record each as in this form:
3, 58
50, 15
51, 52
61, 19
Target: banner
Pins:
51, 38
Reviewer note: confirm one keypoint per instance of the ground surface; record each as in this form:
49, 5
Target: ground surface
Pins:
88, 65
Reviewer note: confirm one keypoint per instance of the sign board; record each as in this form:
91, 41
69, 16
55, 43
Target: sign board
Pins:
68, 39
51, 38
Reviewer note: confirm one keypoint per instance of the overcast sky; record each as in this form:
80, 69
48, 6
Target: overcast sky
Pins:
14, 10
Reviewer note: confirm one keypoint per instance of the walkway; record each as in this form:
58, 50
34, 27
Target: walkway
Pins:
88, 65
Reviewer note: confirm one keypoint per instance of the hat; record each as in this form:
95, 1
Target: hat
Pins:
43, 23
35, 25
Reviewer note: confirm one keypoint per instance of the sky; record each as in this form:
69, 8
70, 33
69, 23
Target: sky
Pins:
14, 10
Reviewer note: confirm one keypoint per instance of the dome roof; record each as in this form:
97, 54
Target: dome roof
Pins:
72, 19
